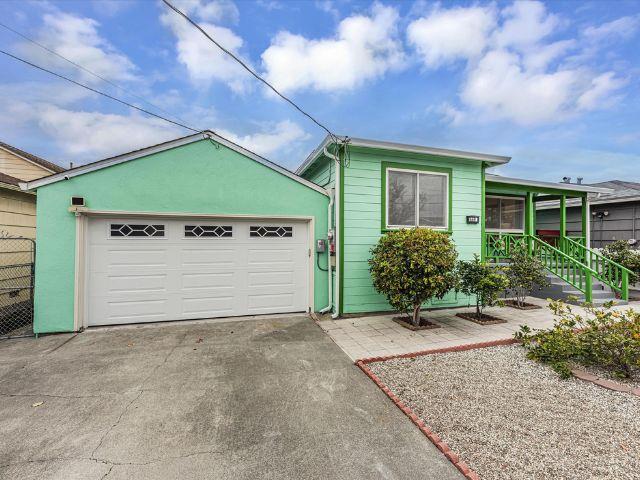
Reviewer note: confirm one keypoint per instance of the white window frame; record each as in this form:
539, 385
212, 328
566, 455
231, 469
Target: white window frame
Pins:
418, 172
507, 230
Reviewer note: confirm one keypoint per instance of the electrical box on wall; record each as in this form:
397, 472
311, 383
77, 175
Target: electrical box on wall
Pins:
77, 202
321, 245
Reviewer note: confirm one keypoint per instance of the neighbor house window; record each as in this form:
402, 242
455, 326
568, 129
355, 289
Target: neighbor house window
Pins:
417, 199
504, 214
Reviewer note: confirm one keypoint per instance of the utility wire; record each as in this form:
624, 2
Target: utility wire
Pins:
53, 52
250, 70
99, 92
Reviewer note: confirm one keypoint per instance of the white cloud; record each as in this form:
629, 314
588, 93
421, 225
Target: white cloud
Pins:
599, 91
623, 27
204, 61
365, 47
77, 39
447, 35
87, 134
514, 69
525, 24
500, 86
276, 139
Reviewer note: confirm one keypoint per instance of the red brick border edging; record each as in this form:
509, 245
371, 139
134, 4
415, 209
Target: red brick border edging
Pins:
430, 434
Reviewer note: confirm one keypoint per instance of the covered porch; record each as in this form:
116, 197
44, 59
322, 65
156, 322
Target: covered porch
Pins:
509, 205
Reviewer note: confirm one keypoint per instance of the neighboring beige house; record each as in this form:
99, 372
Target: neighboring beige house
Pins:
18, 208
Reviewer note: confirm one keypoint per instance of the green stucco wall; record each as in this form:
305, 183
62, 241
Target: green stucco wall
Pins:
363, 220
201, 177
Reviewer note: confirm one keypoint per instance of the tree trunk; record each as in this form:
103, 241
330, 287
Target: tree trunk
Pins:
416, 315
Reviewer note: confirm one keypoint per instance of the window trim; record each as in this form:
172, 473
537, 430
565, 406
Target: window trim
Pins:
417, 169
507, 230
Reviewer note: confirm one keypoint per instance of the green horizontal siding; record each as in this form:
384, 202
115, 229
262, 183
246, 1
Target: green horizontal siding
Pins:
362, 220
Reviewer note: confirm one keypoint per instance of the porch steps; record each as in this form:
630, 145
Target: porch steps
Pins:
558, 289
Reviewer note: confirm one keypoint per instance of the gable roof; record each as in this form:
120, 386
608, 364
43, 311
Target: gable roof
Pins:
52, 167
402, 147
143, 152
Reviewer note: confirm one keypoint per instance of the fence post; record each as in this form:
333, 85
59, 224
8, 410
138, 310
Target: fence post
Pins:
588, 286
624, 293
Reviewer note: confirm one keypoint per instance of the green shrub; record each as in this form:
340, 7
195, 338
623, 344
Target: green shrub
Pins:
622, 253
412, 266
483, 281
524, 273
602, 337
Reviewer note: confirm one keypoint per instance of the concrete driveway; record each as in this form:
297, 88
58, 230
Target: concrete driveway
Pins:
271, 398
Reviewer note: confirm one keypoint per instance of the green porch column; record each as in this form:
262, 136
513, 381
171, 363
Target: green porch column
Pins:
563, 221
586, 216
529, 219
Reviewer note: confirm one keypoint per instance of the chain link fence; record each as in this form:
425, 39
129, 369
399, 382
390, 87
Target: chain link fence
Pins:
17, 257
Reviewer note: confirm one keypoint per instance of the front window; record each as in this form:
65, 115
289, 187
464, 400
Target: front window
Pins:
504, 214
417, 199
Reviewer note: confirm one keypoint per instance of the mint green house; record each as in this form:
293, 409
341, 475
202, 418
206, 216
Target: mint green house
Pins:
200, 227
378, 186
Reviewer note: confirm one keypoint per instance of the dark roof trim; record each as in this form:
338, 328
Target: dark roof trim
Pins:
52, 167
143, 152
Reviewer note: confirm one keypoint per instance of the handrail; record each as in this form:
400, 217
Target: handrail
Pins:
606, 270
564, 266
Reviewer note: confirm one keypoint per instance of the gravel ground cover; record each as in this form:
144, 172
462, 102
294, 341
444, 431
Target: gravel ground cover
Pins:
511, 418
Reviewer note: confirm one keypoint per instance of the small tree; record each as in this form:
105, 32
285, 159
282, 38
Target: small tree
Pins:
483, 281
524, 274
412, 266
622, 253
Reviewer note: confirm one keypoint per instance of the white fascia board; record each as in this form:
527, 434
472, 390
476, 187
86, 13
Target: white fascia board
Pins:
108, 162
535, 183
403, 147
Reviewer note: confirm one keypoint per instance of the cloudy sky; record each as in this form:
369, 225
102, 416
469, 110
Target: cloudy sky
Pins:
554, 85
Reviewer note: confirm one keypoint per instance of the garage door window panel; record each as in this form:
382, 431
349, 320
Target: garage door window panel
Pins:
208, 231
138, 230
263, 231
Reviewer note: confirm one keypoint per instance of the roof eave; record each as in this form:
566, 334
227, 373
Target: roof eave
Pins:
493, 160
107, 162
540, 184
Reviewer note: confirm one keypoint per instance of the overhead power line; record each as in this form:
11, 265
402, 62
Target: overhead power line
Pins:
99, 92
85, 69
250, 70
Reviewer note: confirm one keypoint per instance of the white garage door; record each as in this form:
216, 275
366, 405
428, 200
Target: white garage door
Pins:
150, 270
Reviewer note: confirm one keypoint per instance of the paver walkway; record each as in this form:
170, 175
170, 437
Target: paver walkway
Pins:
379, 335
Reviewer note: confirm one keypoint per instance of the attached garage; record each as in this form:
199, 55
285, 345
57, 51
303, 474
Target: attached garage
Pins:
194, 228
158, 269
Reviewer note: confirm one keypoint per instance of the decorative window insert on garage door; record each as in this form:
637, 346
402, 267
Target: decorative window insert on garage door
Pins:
159, 269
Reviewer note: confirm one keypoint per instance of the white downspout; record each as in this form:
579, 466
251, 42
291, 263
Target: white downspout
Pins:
336, 232
329, 225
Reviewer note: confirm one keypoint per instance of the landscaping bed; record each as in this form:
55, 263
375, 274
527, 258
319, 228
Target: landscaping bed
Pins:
508, 417
524, 306
483, 320
424, 324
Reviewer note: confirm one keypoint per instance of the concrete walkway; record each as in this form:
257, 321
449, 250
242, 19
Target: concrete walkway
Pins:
379, 335
267, 399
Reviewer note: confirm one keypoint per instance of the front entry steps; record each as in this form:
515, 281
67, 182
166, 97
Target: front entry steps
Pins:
558, 289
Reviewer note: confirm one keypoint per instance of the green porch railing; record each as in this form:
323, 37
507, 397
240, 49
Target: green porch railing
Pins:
606, 270
564, 266
571, 260
498, 245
